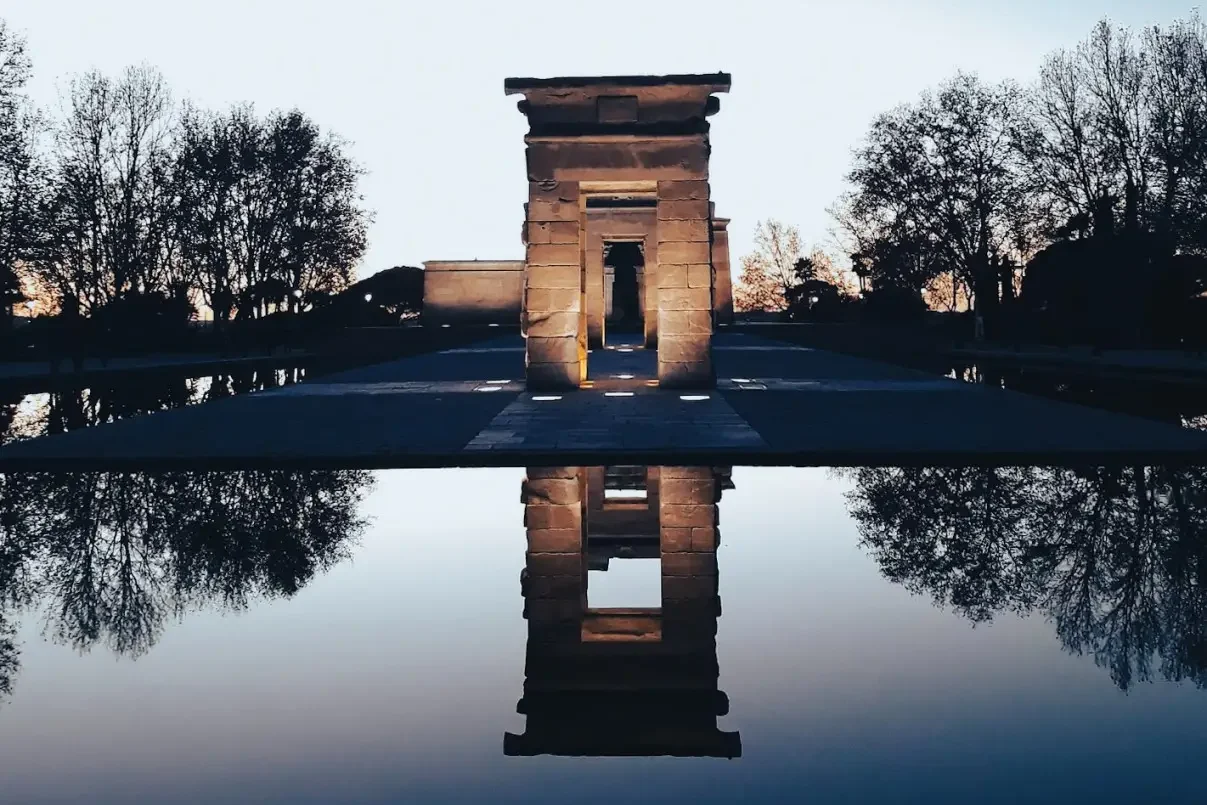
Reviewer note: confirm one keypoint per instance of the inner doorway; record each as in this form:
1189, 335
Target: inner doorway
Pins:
623, 363
624, 267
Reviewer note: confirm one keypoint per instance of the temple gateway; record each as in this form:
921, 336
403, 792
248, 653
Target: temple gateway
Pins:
621, 233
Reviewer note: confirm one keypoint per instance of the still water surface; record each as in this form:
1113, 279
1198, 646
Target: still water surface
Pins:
1015, 635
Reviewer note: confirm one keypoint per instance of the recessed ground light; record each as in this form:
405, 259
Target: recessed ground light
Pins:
741, 380
693, 397
493, 324
446, 325
625, 349
547, 398
498, 382
623, 377
488, 388
618, 394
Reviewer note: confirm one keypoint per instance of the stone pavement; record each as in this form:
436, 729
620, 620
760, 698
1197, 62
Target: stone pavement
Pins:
775, 403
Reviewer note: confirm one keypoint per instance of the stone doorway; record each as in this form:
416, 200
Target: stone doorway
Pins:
624, 270
600, 149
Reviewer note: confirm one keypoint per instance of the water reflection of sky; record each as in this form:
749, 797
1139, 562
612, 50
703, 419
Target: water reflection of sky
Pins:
393, 676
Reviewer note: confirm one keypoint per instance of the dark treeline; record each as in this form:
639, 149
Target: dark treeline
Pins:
135, 212
109, 558
1115, 558
1072, 209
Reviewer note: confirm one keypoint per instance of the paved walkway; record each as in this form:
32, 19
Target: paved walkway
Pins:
775, 404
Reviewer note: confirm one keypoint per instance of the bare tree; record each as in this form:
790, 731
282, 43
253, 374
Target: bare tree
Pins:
1176, 105
22, 170
938, 188
769, 272
1115, 75
269, 212
111, 202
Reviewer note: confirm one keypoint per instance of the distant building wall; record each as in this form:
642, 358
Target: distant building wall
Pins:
472, 291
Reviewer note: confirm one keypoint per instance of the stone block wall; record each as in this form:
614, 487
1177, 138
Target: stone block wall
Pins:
553, 320
554, 580
685, 279
689, 538
722, 298
472, 292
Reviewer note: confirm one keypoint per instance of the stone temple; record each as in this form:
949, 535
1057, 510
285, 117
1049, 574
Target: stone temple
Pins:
620, 230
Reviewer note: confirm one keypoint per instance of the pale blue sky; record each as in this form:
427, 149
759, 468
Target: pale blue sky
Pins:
418, 88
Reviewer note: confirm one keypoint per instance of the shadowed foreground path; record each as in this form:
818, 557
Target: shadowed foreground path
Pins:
775, 404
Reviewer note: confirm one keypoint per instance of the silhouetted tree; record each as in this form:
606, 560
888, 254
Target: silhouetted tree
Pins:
22, 172
269, 213
112, 203
937, 188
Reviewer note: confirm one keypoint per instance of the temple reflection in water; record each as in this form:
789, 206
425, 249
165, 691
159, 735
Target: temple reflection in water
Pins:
622, 681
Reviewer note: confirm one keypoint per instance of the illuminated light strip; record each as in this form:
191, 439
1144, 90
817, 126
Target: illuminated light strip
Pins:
618, 394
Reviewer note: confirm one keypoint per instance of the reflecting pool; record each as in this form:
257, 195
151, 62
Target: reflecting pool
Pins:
604, 634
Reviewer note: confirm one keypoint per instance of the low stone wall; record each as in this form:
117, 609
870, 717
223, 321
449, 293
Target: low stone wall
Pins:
463, 292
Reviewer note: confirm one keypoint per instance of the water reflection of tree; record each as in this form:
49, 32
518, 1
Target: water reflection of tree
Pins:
64, 409
1116, 558
110, 558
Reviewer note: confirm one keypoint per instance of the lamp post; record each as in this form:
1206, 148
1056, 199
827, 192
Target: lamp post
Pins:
297, 297
368, 297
